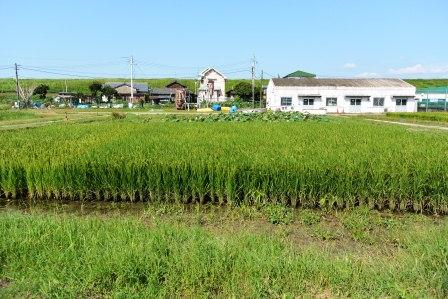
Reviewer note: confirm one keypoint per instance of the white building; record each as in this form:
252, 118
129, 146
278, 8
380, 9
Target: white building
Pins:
320, 96
212, 86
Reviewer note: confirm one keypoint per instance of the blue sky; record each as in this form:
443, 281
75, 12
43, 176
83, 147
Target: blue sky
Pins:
345, 38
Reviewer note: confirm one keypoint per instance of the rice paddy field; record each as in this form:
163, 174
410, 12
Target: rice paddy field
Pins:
247, 206
324, 163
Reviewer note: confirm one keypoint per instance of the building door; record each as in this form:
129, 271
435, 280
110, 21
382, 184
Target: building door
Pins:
355, 105
401, 105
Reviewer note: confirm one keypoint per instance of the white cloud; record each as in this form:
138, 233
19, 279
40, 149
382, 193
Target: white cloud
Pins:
419, 69
349, 65
367, 75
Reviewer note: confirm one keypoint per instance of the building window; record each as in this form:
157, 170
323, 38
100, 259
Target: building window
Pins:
332, 101
401, 102
286, 101
308, 102
378, 102
355, 102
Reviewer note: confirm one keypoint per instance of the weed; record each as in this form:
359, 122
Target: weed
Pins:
309, 217
278, 214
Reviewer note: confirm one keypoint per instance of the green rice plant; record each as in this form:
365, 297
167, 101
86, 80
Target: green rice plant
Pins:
338, 164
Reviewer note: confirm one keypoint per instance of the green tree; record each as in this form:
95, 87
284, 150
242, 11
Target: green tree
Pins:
109, 92
41, 91
95, 88
244, 91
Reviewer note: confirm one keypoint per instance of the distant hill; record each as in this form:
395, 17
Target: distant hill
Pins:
423, 83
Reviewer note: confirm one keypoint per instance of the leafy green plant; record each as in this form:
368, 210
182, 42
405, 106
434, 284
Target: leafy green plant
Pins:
268, 116
278, 214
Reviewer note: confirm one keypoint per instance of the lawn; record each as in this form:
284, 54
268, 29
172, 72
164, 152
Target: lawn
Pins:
145, 250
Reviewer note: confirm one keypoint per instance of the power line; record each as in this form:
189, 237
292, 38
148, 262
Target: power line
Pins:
57, 73
68, 72
6, 68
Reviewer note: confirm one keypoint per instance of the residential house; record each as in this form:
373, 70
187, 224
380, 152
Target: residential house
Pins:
162, 95
140, 90
212, 86
320, 96
168, 93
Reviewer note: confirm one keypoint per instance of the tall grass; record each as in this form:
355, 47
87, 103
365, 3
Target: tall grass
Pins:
338, 164
425, 116
16, 114
44, 255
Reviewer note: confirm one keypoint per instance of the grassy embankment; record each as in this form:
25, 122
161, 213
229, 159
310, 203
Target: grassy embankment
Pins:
327, 164
440, 117
205, 251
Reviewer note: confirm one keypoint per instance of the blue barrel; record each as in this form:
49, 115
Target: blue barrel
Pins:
216, 107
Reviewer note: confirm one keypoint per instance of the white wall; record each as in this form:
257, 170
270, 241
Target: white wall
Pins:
220, 84
275, 93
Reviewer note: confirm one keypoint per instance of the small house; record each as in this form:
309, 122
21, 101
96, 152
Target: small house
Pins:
212, 86
162, 95
139, 91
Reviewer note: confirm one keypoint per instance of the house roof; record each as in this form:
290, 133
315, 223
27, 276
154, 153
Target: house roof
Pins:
204, 72
141, 87
338, 82
300, 74
176, 83
163, 91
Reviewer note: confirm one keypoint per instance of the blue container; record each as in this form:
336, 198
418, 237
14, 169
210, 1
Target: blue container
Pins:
233, 109
216, 107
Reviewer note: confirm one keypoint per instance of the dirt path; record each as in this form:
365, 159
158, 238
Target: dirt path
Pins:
411, 124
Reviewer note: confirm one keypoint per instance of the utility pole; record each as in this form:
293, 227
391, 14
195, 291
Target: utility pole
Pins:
17, 83
131, 62
65, 81
254, 62
261, 90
